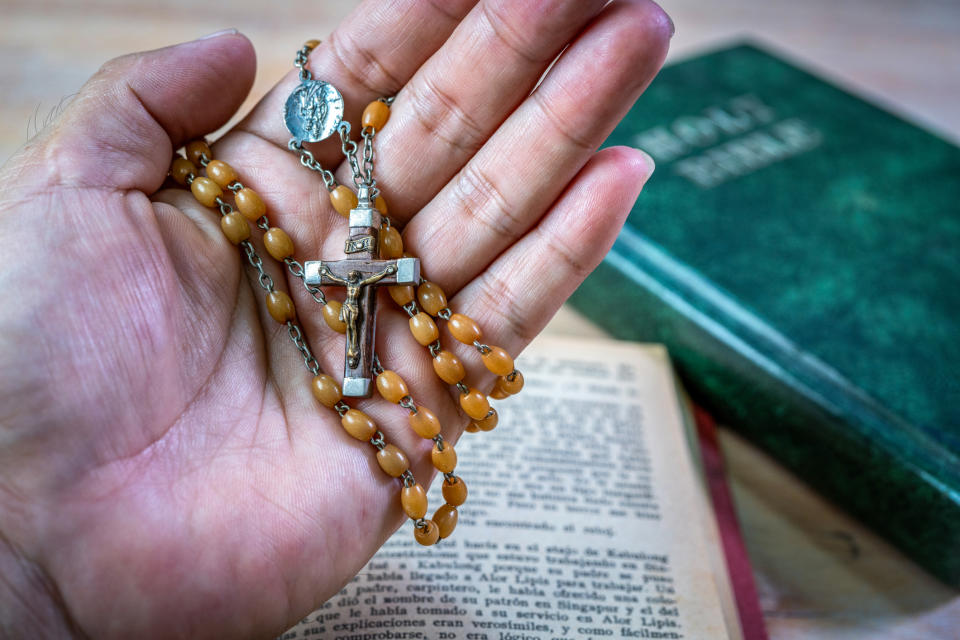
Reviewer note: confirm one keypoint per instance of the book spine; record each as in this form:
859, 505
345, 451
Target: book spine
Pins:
842, 452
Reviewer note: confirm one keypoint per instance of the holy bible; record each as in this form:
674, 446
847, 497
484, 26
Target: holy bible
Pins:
588, 517
796, 250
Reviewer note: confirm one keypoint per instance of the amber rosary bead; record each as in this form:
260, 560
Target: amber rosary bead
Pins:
278, 244
393, 461
424, 423
180, 169
196, 149
508, 386
432, 298
281, 307
448, 367
444, 460
446, 518
343, 200
221, 173
497, 393
424, 329
359, 425
250, 204
488, 422
391, 244
375, 115
206, 191
234, 227
331, 315
413, 499
455, 491
428, 534
391, 386
402, 294
497, 361
380, 204
474, 404
326, 390
464, 329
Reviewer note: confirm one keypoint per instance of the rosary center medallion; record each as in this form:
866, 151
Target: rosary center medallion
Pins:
313, 111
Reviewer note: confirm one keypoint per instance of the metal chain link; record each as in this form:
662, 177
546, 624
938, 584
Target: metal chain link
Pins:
300, 62
254, 259
296, 336
307, 160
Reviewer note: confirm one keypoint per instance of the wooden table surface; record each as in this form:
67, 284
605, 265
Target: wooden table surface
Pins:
820, 574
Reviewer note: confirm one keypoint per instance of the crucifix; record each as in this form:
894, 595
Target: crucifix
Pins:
360, 273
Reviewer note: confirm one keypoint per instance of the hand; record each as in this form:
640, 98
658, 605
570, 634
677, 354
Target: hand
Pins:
164, 469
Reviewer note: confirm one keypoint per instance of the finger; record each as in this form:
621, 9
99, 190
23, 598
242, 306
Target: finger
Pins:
506, 187
518, 294
371, 54
122, 128
459, 97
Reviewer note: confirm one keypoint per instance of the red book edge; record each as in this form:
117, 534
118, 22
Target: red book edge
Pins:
738, 562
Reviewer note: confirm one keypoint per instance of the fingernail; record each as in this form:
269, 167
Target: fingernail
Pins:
217, 34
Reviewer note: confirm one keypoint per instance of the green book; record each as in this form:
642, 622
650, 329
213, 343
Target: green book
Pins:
798, 251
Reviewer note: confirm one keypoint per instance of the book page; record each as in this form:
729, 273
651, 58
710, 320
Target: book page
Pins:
585, 519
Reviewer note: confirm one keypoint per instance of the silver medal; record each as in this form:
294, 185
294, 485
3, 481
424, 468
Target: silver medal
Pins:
313, 111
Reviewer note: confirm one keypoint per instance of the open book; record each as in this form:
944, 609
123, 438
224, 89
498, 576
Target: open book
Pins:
588, 517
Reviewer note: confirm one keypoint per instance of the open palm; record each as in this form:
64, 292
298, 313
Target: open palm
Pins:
164, 469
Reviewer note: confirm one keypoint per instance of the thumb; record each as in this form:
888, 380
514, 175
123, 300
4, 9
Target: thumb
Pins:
121, 129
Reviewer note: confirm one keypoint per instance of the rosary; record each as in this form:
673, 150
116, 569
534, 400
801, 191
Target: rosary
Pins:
375, 257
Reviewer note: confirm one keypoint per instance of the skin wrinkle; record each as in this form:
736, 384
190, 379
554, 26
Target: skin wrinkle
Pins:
470, 135
501, 28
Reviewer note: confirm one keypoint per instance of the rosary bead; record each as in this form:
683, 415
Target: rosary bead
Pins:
391, 244
472, 428
198, 148
359, 425
391, 386
497, 361
432, 298
381, 205
511, 387
446, 518
489, 421
280, 306
326, 390
448, 367
428, 534
424, 329
464, 329
498, 393
444, 461
280, 246
221, 173
343, 200
402, 294
331, 315
474, 404
180, 169
455, 491
393, 461
311, 44
206, 191
414, 501
234, 227
375, 115
425, 423
250, 204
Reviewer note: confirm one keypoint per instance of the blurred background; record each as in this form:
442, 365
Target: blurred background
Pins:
819, 573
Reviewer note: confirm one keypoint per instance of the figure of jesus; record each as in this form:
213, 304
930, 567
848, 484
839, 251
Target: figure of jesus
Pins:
350, 311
